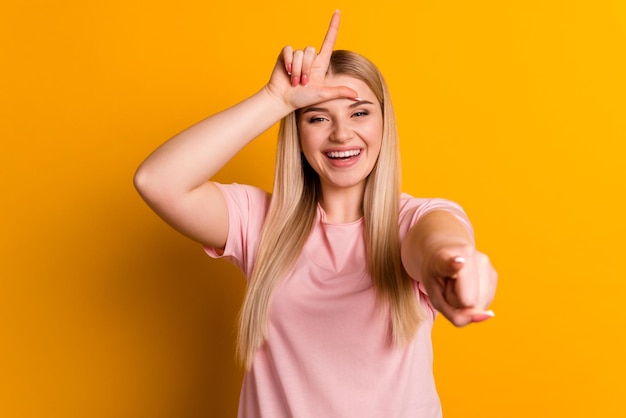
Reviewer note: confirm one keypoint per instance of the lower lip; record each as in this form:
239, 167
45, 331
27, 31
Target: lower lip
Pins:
344, 162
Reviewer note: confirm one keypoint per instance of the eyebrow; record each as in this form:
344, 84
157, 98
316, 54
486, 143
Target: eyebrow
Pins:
323, 109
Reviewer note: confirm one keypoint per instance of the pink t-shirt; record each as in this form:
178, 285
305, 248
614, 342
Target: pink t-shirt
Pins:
328, 353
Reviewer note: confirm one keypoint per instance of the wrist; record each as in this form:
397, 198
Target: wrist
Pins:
276, 101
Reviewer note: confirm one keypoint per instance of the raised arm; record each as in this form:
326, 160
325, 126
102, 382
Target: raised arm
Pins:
173, 179
459, 279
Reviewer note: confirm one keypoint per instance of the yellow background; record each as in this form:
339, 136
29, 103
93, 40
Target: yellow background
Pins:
515, 109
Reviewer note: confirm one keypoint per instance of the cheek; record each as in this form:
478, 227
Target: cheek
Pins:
309, 141
305, 145
373, 135
307, 151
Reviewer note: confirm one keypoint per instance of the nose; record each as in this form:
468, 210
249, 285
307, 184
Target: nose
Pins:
342, 132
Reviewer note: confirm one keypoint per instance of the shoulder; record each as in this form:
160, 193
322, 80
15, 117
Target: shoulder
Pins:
410, 204
243, 197
247, 206
247, 209
413, 208
243, 190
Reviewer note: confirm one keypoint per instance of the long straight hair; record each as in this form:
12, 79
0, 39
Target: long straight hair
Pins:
292, 212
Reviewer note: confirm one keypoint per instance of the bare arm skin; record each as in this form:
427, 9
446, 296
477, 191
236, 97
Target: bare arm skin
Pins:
459, 279
173, 180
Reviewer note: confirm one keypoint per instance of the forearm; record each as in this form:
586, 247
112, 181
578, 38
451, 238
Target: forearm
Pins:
195, 155
434, 232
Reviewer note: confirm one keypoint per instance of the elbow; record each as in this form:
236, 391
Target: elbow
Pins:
156, 187
145, 183
140, 180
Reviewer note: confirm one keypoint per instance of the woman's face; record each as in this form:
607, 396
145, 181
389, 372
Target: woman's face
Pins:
341, 138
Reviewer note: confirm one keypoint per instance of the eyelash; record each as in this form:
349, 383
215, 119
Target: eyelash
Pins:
358, 114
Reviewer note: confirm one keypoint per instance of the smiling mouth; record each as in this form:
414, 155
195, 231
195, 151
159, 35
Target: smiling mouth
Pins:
343, 155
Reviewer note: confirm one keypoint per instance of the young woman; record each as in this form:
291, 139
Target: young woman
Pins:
345, 273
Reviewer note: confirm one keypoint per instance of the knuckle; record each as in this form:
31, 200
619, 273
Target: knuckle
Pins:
483, 259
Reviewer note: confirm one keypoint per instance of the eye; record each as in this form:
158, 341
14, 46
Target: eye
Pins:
317, 119
360, 113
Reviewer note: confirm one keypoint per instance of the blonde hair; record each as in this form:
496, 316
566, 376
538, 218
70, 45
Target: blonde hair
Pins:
292, 212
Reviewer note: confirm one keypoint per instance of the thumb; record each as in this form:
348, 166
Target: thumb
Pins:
462, 317
338, 92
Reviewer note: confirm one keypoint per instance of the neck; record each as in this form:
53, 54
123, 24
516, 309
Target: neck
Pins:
342, 205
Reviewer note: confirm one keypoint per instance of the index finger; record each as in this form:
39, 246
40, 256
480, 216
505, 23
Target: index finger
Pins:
331, 36
447, 265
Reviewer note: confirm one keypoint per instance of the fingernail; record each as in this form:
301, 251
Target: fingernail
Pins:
305, 80
357, 99
483, 316
289, 69
294, 81
459, 260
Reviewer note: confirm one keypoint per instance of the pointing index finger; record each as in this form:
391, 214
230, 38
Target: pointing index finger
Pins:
331, 36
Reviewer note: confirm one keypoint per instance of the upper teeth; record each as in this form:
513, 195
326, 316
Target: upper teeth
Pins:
344, 154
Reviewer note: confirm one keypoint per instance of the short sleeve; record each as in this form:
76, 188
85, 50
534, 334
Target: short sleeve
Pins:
247, 208
413, 209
